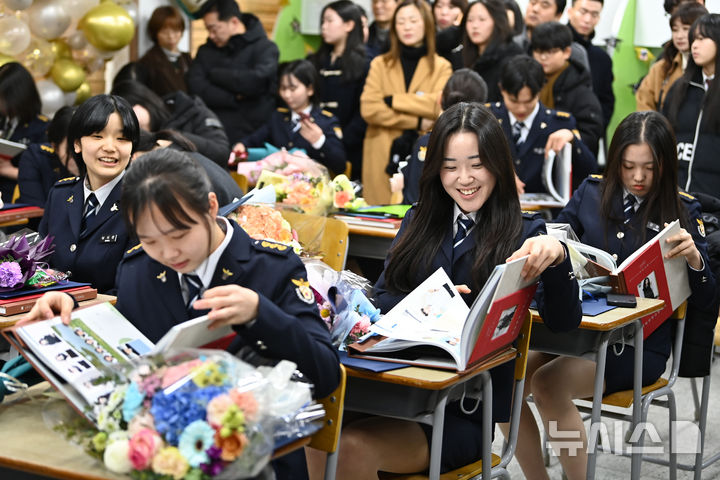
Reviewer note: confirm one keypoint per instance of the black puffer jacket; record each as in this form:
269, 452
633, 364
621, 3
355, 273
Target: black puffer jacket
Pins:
192, 118
238, 81
489, 64
573, 93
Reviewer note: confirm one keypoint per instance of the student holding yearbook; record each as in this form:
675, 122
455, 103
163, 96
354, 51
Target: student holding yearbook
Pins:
636, 198
467, 186
191, 262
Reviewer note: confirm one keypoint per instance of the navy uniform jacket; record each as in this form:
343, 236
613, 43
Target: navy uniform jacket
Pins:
413, 170
94, 256
278, 131
583, 214
530, 155
288, 325
39, 169
35, 131
557, 297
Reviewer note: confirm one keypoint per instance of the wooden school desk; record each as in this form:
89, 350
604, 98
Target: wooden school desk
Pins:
421, 394
591, 341
370, 242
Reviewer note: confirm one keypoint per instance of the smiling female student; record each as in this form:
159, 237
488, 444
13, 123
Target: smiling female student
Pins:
636, 198
83, 213
467, 186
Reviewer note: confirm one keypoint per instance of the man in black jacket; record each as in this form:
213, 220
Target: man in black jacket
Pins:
235, 71
583, 16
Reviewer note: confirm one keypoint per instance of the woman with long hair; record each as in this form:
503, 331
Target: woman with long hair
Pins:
663, 73
638, 195
342, 64
693, 108
467, 183
401, 92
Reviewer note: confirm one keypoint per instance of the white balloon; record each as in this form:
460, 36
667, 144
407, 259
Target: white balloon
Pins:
70, 98
17, 4
49, 19
51, 96
14, 36
77, 40
78, 8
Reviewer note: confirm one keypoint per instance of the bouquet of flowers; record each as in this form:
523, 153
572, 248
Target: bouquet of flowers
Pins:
302, 191
262, 222
283, 163
344, 194
21, 260
197, 414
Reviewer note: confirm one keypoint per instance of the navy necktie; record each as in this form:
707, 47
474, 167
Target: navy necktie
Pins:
629, 207
91, 204
464, 226
517, 132
193, 285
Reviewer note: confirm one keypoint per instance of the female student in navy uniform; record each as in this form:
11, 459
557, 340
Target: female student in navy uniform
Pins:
20, 119
303, 124
342, 64
636, 198
43, 164
83, 213
258, 287
468, 175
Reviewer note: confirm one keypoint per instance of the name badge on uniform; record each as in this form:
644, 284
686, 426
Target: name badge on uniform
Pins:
109, 238
653, 226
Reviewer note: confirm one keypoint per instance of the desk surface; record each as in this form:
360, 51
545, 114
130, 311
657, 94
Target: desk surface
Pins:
616, 317
10, 320
431, 378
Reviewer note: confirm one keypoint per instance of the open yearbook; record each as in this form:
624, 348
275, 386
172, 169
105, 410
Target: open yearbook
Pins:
646, 273
432, 326
77, 358
557, 179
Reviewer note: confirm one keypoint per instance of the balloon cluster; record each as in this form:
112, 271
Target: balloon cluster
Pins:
62, 41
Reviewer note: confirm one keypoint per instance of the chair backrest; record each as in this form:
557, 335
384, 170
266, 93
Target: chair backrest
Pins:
241, 181
523, 346
329, 236
16, 194
327, 438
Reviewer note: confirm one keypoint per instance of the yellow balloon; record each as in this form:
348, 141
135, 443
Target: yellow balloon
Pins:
107, 26
67, 74
61, 49
6, 59
83, 93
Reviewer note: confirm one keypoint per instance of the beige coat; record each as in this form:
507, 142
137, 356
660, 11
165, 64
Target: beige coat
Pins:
385, 124
655, 85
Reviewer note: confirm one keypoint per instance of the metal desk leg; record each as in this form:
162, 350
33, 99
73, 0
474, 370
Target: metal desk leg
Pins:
594, 436
636, 459
437, 434
487, 425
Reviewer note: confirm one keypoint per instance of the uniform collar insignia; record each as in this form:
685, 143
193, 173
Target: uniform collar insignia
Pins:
163, 276
114, 207
71, 199
226, 274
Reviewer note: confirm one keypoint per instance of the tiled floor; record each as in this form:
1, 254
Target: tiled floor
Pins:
618, 467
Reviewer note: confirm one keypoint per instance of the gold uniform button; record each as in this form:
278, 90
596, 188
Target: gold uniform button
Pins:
73, 247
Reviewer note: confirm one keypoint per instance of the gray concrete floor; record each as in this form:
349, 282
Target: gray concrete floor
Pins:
618, 467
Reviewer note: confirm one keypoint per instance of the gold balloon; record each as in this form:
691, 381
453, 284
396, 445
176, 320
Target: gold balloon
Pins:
6, 59
67, 74
61, 49
83, 93
107, 26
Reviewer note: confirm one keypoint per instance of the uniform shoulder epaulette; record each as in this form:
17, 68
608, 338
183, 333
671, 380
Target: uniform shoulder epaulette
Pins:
43, 117
326, 113
530, 214
561, 114
47, 148
137, 249
595, 177
488, 105
272, 247
282, 110
68, 181
687, 197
